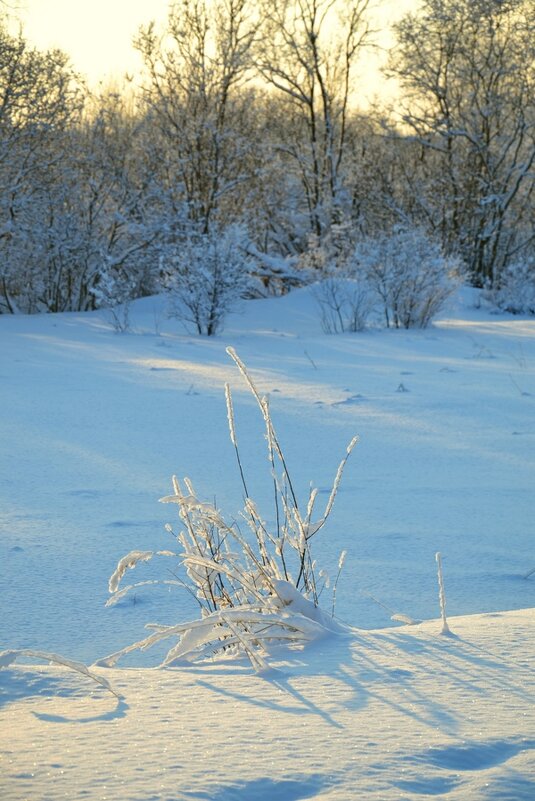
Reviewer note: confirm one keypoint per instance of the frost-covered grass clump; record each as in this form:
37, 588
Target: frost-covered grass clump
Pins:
255, 586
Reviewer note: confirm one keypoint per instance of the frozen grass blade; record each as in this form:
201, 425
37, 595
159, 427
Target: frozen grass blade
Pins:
341, 561
120, 594
442, 595
7, 658
129, 562
233, 439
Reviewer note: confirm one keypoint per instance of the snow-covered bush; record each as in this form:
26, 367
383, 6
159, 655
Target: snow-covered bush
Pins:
409, 273
254, 587
345, 303
206, 276
115, 292
514, 291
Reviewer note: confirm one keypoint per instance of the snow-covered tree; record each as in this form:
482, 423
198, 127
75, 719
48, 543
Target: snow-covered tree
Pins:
467, 73
308, 53
39, 100
196, 99
83, 220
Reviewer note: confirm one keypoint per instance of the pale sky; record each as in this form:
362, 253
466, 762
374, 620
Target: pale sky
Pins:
97, 34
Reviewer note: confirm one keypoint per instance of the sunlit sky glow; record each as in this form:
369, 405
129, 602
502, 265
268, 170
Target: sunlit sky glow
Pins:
98, 34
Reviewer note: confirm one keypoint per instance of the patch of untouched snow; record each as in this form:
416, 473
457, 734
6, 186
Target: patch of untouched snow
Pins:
94, 425
380, 715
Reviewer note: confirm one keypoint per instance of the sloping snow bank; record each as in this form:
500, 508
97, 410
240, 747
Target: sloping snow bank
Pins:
384, 714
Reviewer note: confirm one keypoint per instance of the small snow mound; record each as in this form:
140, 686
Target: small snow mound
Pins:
294, 602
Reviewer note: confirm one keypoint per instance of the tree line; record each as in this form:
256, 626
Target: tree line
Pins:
242, 160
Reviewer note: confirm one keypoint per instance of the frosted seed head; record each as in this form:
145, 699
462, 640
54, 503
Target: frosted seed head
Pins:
352, 443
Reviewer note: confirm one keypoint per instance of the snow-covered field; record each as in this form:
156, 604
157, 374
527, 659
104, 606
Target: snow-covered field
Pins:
93, 426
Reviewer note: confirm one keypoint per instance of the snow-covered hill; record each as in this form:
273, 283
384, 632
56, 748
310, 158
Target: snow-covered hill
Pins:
94, 424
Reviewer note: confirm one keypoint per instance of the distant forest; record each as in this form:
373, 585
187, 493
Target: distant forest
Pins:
242, 160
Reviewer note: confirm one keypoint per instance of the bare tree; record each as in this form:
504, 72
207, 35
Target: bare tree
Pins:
196, 74
308, 53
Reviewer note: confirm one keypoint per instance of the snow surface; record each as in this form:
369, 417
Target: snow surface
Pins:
94, 424
391, 714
